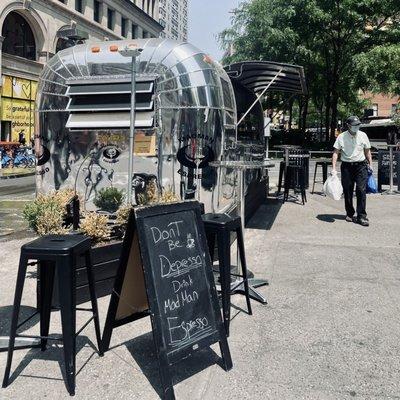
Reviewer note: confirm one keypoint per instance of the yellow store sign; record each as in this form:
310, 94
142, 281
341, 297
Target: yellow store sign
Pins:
18, 105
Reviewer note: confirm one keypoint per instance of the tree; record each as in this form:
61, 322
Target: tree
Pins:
336, 41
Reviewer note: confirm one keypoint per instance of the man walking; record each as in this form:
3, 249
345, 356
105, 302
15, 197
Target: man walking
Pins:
355, 152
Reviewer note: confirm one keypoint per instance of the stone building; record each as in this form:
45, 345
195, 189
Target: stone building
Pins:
173, 16
32, 31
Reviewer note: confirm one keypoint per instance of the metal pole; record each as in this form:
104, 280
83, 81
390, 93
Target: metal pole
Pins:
132, 129
259, 97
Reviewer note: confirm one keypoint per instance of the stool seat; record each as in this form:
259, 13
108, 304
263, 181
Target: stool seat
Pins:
221, 221
57, 245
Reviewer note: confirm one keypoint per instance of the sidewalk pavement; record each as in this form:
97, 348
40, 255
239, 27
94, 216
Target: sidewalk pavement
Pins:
331, 329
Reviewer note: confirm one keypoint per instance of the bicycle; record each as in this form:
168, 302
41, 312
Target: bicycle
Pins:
23, 159
6, 160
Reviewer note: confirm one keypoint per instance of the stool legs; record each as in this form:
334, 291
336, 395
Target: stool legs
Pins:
302, 180
47, 271
324, 172
239, 234
23, 262
224, 255
211, 245
281, 173
315, 176
88, 259
66, 273
288, 178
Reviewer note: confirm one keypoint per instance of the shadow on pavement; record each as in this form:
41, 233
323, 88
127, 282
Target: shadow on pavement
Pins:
331, 217
265, 216
143, 351
24, 313
54, 352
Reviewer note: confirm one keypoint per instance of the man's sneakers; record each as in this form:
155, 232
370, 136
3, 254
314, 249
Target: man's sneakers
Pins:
363, 221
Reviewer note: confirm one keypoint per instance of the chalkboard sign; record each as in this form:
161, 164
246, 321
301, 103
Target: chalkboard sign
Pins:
384, 168
166, 272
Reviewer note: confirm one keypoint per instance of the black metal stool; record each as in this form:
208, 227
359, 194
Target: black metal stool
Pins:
295, 175
60, 253
220, 226
324, 165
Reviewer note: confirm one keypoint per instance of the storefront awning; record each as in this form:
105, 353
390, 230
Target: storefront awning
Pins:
277, 77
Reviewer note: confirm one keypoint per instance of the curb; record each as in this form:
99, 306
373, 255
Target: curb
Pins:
13, 176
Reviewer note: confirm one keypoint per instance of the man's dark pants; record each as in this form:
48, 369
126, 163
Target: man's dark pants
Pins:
355, 173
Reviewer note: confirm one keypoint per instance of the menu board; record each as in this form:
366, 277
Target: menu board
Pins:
178, 270
384, 168
165, 256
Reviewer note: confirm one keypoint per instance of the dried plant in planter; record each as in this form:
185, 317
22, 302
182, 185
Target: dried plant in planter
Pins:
168, 196
96, 226
153, 196
45, 215
123, 215
150, 195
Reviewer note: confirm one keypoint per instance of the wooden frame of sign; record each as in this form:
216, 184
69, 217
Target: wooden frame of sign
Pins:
165, 272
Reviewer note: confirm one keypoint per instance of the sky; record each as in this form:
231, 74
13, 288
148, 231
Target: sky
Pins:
207, 18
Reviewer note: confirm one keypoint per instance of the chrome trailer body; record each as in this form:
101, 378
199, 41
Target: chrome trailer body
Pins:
185, 118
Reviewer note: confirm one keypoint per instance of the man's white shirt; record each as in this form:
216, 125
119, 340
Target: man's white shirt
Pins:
352, 147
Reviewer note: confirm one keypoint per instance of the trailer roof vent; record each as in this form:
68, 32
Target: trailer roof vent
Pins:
104, 104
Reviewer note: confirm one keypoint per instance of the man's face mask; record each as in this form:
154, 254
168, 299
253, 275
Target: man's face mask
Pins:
353, 129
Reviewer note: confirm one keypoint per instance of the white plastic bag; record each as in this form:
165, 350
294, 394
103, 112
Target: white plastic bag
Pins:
333, 187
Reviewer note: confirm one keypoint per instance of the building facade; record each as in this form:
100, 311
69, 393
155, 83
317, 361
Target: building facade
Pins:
32, 31
381, 105
173, 16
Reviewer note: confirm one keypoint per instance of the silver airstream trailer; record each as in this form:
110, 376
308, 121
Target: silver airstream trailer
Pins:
187, 107
185, 118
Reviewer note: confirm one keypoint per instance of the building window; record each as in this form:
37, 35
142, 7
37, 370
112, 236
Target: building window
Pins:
18, 37
135, 31
96, 11
394, 109
124, 27
79, 6
110, 18
375, 110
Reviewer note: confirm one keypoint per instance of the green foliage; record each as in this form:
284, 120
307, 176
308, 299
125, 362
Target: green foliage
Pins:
379, 69
343, 45
109, 199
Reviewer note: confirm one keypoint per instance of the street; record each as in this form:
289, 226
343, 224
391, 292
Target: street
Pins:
14, 193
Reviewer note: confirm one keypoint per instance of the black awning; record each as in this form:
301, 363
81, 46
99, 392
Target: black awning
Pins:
257, 75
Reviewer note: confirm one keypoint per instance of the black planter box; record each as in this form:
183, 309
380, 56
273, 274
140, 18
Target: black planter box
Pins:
105, 260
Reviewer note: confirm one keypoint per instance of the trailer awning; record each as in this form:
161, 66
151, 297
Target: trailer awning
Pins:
277, 77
